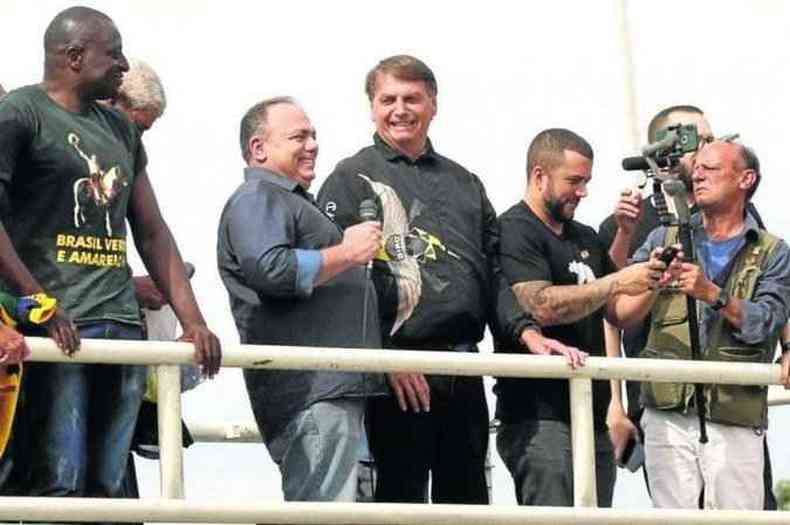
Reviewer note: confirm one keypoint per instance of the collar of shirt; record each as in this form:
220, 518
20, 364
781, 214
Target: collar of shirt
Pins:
750, 228
569, 228
749, 233
392, 154
282, 181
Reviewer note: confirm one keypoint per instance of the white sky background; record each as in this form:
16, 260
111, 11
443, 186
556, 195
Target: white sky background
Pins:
506, 70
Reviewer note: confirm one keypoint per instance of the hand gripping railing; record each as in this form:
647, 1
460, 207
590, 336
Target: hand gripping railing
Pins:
173, 508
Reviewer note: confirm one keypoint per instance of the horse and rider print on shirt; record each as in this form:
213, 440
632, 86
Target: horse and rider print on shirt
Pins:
95, 195
100, 188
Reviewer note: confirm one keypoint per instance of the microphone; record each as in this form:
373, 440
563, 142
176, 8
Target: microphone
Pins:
368, 211
640, 164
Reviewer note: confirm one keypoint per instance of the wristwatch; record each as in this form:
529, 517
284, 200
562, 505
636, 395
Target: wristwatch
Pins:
721, 300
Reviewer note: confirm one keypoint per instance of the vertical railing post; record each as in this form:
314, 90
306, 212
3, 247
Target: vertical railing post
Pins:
171, 466
583, 443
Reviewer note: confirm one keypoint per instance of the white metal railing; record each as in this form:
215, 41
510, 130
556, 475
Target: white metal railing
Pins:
172, 507
778, 396
247, 432
175, 510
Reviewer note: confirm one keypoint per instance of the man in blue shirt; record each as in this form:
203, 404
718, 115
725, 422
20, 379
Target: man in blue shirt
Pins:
294, 278
742, 288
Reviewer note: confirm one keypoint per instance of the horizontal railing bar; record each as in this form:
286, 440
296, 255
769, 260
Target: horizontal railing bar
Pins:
247, 432
778, 396
431, 362
185, 511
203, 432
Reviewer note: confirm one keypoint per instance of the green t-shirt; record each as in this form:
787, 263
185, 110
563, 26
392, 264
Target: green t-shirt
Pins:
65, 183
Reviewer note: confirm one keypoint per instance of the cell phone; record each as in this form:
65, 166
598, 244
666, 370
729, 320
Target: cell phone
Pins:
668, 254
633, 455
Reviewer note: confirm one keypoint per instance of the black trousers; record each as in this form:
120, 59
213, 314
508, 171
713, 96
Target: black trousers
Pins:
450, 442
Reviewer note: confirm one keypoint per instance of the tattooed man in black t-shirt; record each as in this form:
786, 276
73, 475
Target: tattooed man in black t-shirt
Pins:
562, 275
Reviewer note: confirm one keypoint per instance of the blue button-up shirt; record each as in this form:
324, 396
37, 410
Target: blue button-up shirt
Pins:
268, 252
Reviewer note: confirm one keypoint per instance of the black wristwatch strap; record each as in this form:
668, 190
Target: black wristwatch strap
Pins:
722, 299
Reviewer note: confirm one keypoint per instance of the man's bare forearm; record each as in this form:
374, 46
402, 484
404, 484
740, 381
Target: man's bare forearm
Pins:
334, 261
562, 304
13, 270
618, 251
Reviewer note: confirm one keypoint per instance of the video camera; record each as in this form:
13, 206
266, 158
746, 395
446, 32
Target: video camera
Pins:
672, 143
660, 161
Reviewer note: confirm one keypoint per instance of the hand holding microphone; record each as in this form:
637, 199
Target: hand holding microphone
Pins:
370, 238
369, 212
363, 240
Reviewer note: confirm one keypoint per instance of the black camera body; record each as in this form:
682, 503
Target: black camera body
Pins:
680, 139
671, 144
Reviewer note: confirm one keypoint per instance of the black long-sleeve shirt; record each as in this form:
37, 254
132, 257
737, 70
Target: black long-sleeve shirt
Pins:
437, 277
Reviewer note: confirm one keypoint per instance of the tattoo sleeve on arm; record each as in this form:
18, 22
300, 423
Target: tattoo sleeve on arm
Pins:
553, 305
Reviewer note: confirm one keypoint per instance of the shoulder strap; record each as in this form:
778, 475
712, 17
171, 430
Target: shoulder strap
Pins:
671, 235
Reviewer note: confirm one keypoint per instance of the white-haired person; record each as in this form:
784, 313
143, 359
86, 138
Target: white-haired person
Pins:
141, 95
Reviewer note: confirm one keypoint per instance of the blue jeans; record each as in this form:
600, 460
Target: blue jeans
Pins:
82, 418
318, 451
538, 455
